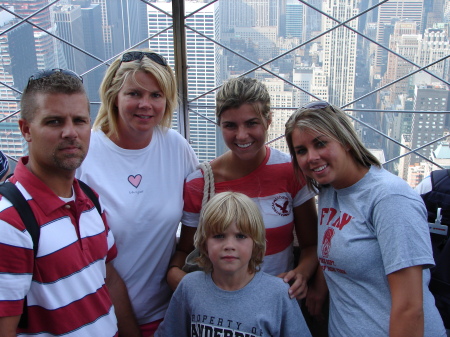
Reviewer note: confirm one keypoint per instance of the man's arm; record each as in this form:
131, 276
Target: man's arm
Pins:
8, 326
119, 296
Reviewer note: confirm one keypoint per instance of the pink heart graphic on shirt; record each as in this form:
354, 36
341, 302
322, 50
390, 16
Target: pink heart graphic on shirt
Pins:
135, 180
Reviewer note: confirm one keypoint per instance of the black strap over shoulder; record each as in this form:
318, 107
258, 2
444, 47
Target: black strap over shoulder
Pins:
12, 193
91, 195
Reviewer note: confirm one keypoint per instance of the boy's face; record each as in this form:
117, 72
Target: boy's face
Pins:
230, 252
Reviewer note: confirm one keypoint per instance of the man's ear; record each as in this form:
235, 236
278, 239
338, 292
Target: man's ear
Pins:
24, 127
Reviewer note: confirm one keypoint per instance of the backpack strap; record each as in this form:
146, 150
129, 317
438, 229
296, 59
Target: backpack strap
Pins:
12, 193
91, 195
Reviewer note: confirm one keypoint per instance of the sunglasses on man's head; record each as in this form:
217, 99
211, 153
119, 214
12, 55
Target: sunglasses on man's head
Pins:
139, 55
48, 72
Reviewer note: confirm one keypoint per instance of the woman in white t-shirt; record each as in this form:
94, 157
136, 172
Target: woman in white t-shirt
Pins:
138, 165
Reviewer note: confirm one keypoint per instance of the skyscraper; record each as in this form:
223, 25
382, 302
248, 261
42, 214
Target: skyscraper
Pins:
249, 13
93, 43
404, 41
203, 65
411, 10
295, 19
429, 126
339, 51
45, 44
68, 22
17, 60
124, 24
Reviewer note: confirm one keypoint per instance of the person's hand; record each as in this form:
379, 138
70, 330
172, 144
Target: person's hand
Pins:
317, 295
298, 283
174, 277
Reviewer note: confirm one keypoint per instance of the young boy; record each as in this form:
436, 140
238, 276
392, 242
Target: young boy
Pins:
231, 297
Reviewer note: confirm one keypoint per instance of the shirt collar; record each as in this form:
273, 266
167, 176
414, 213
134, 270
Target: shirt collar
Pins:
44, 197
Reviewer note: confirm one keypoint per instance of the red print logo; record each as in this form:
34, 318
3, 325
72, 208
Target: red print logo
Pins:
281, 205
326, 242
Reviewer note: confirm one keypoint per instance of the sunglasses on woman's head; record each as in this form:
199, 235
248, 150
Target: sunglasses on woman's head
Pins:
318, 105
139, 55
48, 72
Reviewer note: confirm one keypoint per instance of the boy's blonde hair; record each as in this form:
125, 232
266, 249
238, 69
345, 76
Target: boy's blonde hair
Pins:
220, 212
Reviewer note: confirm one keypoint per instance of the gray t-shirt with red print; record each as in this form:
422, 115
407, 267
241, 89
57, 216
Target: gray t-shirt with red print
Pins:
367, 231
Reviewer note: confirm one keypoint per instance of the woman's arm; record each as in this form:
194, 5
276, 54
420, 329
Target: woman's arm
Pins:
407, 318
184, 247
126, 320
8, 326
305, 222
317, 295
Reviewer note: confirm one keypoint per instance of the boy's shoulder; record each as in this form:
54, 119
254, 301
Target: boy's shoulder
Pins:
272, 283
195, 278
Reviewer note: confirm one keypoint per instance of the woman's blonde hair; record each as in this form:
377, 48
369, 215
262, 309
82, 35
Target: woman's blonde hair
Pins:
244, 90
332, 122
115, 77
219, 213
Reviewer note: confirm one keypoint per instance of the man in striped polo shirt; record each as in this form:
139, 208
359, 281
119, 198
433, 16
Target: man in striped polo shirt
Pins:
71, 285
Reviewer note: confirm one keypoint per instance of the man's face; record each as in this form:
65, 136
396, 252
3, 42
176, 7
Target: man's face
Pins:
58, 134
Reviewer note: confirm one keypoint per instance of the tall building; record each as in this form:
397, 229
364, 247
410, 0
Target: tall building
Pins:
281, 96
434, 46
410, 10
295, 19
404, 41
44, 43
17, 61
313, 19
303, 78
68, 21
339, 51
255, 21
249, 13
405, 160
428, 126
124, 24
93, 44
203, 61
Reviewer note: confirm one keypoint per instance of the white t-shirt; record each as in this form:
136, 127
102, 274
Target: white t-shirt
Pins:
142, 194
424, 186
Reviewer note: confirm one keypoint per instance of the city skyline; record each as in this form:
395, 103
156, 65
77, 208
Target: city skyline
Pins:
300, 61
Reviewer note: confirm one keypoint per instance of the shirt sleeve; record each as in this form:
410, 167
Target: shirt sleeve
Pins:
112, 249
400, 224
177, 319
424, 186
193, 195
292, 321
16, 265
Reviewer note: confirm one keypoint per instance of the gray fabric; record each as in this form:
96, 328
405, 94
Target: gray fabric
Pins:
367, 231
262, 308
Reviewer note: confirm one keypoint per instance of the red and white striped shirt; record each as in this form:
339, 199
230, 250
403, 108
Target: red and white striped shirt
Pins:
275, 189
65, 284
